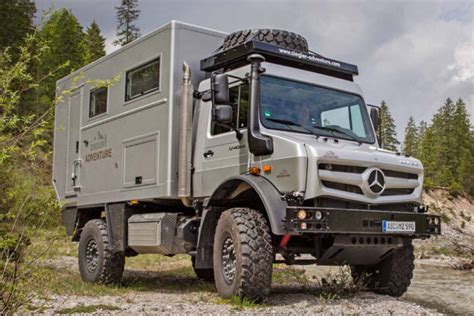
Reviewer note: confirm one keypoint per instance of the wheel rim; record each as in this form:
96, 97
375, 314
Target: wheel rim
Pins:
92, 255
228, 260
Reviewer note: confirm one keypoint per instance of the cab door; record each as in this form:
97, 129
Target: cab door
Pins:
222, 154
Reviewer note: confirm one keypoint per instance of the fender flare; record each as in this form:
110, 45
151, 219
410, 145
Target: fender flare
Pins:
273, 201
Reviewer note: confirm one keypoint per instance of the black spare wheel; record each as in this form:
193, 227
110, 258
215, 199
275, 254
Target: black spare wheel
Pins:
97, 262
276, 37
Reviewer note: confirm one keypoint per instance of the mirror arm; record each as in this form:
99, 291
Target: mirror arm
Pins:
238, 133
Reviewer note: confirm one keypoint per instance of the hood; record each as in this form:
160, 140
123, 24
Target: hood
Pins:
363, 173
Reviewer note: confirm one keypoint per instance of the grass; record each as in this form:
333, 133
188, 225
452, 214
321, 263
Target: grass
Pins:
81, 309
57, 273
238, 304
284, 274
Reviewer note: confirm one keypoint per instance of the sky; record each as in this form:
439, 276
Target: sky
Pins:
413, 54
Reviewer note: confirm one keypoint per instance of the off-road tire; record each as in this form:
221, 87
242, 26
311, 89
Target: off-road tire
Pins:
109, 265
281, 38
252, 242
393, 275
203, 274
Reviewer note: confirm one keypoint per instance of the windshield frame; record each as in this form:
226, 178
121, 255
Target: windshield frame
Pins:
364, 113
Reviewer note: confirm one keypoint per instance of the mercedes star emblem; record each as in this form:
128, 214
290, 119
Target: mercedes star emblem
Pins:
376, 181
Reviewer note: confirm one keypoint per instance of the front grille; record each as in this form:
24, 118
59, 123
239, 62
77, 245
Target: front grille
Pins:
342, 168
389, 192
342, 187
350, 179
398, 174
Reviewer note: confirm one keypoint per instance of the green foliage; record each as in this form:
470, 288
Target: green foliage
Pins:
127, 14
26, 199
446, 148
387, 125
16, 18
411, 138
63, 34
94, 43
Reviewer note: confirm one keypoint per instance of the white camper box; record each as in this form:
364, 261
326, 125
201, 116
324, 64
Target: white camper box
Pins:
126, 148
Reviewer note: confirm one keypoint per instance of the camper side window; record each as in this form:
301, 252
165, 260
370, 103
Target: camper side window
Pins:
98, 101
143, 79
239, 100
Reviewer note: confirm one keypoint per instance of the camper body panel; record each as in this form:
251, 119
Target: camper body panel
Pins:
129, 151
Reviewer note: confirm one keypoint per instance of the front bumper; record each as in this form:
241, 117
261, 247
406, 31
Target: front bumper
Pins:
353, 221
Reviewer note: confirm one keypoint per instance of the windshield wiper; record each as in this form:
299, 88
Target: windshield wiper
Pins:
291, 123
335, 129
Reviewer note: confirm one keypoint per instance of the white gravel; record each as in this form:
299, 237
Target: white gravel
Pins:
285, 299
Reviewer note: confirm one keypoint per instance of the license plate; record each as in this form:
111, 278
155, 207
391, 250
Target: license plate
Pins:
398, 227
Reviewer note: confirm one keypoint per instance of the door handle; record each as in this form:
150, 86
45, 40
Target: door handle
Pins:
208, 154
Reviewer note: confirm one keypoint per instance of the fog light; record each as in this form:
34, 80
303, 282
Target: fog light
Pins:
303, 226
318, 215
301, 214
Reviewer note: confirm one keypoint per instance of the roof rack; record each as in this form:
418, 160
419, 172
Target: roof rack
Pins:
237, 56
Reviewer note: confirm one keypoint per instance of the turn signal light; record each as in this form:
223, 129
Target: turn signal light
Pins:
254, 170
267, 168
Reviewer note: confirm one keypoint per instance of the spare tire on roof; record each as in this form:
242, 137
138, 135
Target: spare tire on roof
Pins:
281, 38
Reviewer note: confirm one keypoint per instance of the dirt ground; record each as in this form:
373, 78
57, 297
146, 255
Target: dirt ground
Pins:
154, 284
296, 291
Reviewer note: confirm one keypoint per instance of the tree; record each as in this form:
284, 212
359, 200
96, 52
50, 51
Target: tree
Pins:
446, 148
16, 20
387, 126
411, 138
63, 34
127, 31
94, 43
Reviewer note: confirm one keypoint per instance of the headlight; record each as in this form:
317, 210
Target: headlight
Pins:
301, 214
436, 221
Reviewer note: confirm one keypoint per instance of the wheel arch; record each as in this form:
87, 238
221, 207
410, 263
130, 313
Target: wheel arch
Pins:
239, 191
250, 191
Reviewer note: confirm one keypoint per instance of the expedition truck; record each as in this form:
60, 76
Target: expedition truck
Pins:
240, 150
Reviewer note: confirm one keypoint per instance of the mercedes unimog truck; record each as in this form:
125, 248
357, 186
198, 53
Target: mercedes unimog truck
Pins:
240, 150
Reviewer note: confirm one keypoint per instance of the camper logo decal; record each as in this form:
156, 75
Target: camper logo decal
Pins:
98, 145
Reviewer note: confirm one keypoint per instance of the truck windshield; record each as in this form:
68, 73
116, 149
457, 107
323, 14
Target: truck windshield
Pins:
325, 111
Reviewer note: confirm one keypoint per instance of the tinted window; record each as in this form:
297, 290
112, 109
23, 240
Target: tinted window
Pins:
98, 102
239, 100
143, 79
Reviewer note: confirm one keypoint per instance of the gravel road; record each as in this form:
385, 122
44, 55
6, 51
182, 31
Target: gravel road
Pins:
285, 298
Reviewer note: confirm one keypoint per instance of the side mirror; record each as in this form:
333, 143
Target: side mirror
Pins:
375, 117
223, 114
220, 89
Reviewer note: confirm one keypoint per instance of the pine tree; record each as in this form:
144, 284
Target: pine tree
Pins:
422, 129
411, 138
127, 13
447, 148
16, 20
94, 43
65, 38
462, 141
387, 126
